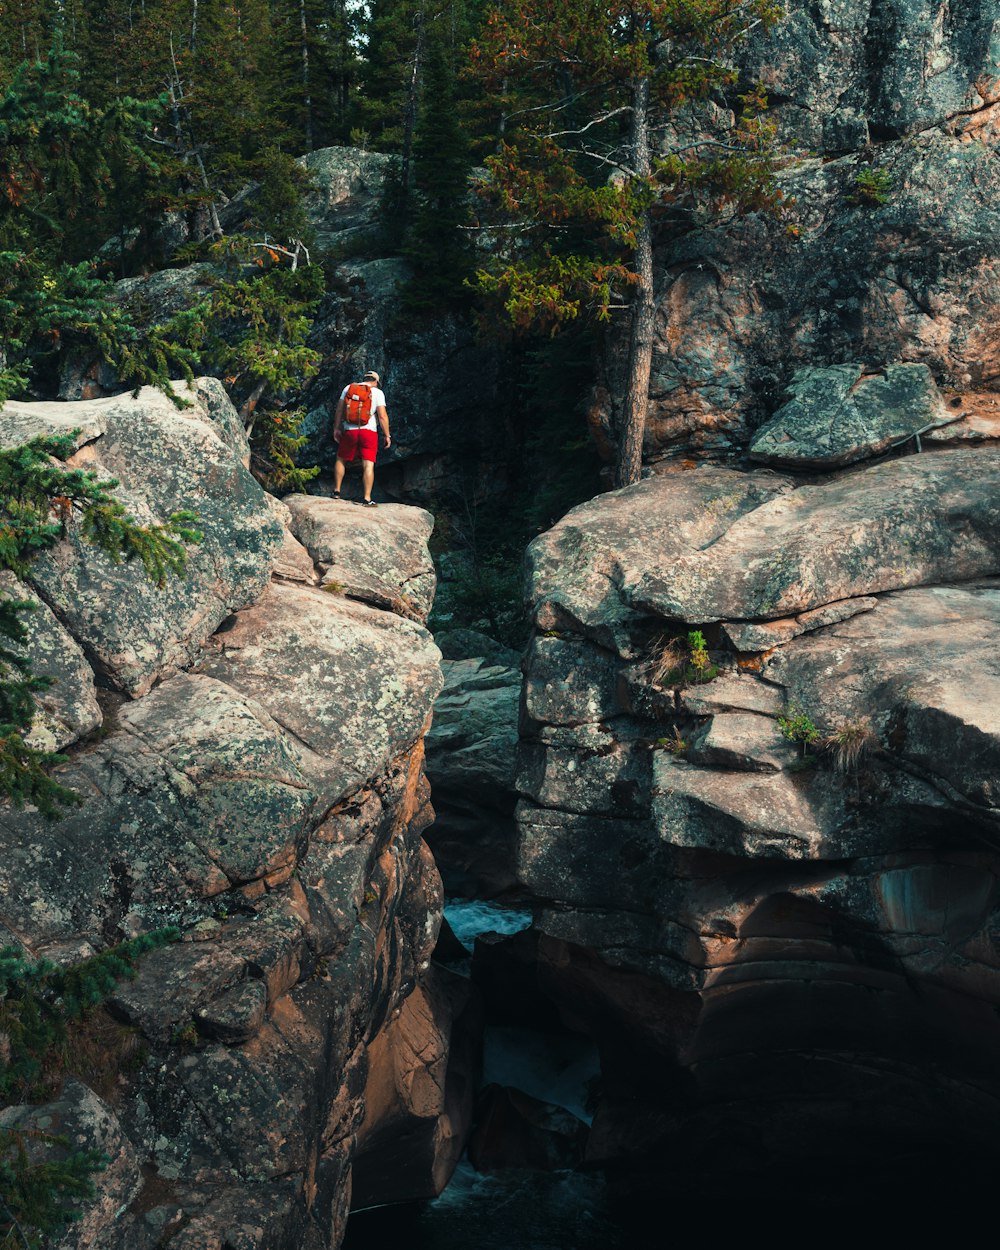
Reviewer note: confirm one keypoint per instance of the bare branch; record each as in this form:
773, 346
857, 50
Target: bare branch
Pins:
606, 160
708, 143
596, 121
564, 103
294, 253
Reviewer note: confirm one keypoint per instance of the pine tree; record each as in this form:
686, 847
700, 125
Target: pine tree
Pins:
589, 89
399, 37
252, 328
25, 34
56, 155
391, 72
311, 72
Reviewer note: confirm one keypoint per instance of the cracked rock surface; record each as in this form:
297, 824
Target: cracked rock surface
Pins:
782, 934
258, 781
378, 555
907, 92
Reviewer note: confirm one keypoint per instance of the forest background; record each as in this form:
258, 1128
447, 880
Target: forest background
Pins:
532, 170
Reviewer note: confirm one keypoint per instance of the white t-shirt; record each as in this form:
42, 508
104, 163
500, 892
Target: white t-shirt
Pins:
378, 401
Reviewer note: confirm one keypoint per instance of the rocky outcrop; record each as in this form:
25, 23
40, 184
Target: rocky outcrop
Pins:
740, 309
68, 709
347, 186
84, 1122
134, 633
839, 415
257, 779
419, 1098
851, 71
379, 557
771, 895
515, 1130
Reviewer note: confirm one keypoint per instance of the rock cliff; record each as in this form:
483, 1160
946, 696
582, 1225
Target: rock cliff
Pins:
772, 895
890, 110
247, 746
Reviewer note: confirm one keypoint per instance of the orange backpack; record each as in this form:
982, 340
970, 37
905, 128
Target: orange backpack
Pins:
358, 404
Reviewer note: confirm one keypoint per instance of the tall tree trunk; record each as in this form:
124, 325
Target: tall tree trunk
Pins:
306, 95
186, 147
412, 98
632, 421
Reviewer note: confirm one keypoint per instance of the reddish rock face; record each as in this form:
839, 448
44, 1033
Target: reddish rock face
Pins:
514, 1130
423, 1071
910, 276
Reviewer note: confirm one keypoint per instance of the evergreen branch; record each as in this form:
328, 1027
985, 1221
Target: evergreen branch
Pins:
39, 1002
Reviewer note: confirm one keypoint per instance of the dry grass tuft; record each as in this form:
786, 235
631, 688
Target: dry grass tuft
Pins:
849, 744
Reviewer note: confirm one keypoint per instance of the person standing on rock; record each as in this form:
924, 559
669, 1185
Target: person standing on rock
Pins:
360, 414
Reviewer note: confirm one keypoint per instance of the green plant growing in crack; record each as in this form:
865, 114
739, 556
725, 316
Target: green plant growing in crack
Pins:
872, 187
185, 1035
673, 744
798, 727
682, 661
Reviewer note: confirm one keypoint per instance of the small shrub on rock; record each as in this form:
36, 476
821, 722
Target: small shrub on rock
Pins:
872, 187
673, 744
682, 661
798, 727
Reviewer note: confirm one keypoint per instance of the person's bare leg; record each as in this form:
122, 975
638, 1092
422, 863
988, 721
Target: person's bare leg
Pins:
338, 474
367, 477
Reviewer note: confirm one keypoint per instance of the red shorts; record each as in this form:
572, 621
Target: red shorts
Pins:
352, 441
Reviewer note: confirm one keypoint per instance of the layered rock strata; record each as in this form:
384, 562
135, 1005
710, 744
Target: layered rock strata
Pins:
247, 746
772, 895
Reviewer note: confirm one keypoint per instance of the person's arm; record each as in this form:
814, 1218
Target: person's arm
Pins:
383, 419
338, 420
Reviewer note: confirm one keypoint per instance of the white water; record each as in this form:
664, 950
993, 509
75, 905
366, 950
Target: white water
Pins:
471, 917
552, 1067
517, 1209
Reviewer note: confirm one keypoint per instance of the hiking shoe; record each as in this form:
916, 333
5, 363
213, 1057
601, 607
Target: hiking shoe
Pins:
336, 495
368, 503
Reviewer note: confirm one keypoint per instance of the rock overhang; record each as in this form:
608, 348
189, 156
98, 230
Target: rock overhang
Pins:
715, 545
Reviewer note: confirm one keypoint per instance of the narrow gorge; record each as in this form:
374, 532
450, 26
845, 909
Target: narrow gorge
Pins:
541, 861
